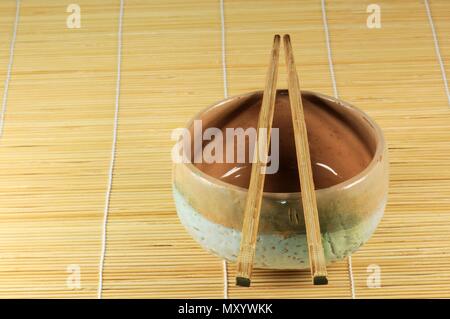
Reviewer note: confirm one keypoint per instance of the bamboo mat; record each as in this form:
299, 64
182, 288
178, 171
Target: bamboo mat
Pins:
55, 148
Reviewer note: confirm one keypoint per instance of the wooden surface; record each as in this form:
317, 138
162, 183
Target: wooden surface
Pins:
56, 144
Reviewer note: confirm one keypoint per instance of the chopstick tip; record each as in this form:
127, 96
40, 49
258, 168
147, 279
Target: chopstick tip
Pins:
320, 280
243, 282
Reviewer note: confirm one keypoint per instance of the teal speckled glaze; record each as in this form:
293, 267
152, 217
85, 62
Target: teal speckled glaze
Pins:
272, 250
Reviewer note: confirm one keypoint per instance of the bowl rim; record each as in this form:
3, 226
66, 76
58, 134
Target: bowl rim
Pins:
358, 178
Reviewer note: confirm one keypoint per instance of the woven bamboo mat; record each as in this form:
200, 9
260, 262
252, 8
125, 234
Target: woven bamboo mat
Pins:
55, 148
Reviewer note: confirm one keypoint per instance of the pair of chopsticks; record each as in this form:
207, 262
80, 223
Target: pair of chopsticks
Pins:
256, 186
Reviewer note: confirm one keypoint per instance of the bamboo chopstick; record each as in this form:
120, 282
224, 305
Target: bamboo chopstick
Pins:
256, 186
316, 254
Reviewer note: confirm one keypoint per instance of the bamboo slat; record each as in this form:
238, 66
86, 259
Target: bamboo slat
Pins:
56, 144
7, 13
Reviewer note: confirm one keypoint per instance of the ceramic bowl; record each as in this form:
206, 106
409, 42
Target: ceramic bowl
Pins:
349, 212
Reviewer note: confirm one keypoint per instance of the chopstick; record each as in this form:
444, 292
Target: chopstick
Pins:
315, 248
256, 186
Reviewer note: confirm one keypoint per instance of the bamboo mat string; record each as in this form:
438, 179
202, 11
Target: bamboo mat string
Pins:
333, 80
113, 155
10, 63
350, 275
225, 93
224, 60
437, 49
327, 41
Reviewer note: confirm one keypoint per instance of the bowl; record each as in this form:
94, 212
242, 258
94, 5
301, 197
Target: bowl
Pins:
212, 210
